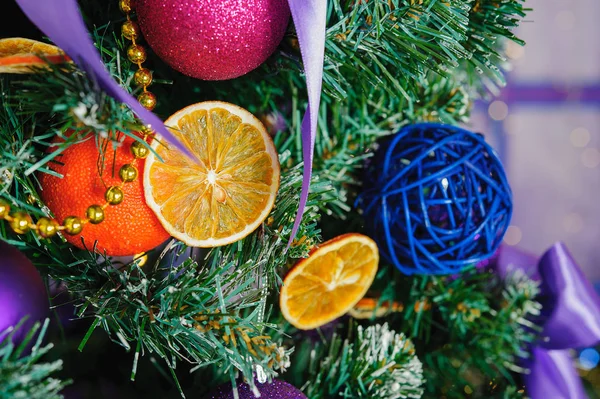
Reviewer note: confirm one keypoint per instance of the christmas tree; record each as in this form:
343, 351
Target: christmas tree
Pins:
175, 260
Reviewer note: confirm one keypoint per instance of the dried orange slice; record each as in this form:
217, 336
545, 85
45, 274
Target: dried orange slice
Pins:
228, 191
329, 282
369, 308
18, 55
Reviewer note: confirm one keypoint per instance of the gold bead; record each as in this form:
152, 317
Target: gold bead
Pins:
20, 222
73, 225
125, 6
128, 173
114, 195
136, 54
31, 199
148, 100
141, 258
139, 150
130, 30
95, 214
142, 77
147, 130
4, 209
47, 227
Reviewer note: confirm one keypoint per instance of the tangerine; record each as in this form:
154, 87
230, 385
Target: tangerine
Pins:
129, 227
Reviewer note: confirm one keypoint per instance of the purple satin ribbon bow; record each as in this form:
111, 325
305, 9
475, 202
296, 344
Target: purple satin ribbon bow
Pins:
571, 309
62, 22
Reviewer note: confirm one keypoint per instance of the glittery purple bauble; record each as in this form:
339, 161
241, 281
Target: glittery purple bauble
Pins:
276, 390
213, 39
22, 291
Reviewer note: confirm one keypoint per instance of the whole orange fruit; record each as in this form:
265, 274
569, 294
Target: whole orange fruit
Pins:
128, 228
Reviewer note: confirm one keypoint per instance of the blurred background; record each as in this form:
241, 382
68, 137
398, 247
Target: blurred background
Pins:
546, 127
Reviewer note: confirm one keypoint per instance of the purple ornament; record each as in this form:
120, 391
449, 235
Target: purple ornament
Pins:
22, 292
276, 390
213, 39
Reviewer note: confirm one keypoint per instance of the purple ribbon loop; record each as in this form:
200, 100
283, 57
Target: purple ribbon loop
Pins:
61, 21
571, 309
575, 318
310, 17
552, 376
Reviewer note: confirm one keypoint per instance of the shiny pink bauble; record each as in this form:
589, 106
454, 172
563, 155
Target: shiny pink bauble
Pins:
213, 39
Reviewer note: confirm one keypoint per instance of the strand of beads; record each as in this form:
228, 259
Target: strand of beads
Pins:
21, 222
137, 54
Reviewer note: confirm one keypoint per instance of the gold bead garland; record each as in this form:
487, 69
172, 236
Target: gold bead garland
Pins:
22, 223
137, 54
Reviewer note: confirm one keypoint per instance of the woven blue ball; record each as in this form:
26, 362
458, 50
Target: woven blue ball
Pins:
436, 199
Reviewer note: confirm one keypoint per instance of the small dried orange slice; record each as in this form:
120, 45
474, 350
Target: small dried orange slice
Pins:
369, 308
228, 191
328, 283
18, 55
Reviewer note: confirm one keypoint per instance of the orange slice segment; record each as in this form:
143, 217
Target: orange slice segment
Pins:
18, 55
225, 194
328, 283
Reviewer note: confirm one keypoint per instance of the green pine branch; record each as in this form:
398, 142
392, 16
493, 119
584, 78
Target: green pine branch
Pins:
469, 329
376, 363
22, 373
491, 24
391, 44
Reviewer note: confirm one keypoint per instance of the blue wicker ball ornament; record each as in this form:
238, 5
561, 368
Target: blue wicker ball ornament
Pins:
436, 199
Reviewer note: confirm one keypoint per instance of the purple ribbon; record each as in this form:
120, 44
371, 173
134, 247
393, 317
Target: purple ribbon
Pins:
310, 17
571, 309
61, 21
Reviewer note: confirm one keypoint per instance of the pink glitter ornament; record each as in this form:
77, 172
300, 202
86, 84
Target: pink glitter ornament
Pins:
213, 39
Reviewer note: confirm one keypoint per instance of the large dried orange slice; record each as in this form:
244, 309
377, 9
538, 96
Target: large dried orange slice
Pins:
329, 282
228, 191
19, 55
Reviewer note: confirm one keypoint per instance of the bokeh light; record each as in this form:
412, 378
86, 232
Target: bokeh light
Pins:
513, 235
580, 137
590, 157
514, 51
498, 110
589, 358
